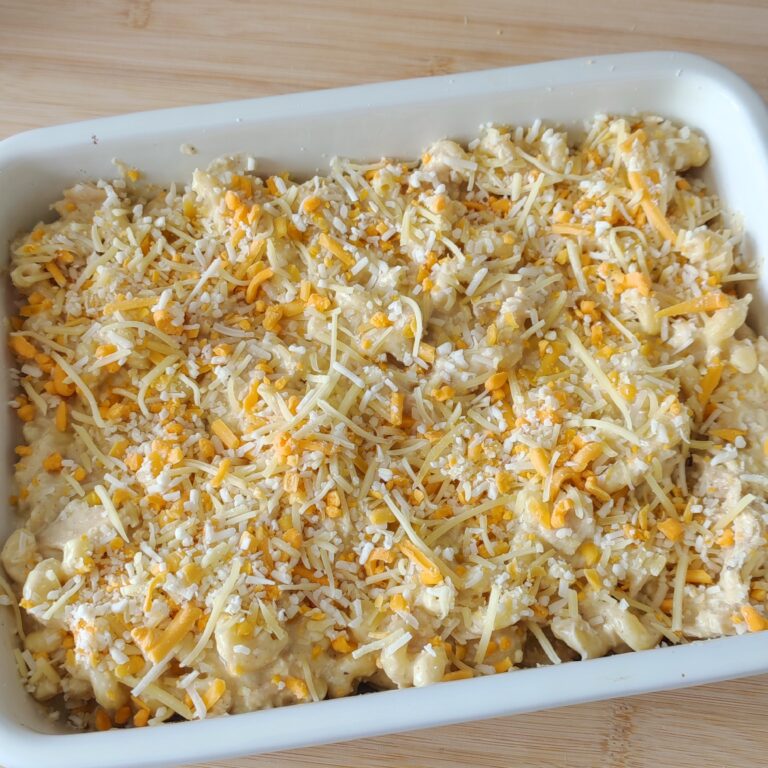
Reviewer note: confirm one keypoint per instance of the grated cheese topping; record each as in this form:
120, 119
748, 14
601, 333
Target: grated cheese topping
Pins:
404, 423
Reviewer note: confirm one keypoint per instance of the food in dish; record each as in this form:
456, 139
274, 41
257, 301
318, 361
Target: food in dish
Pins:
400, 424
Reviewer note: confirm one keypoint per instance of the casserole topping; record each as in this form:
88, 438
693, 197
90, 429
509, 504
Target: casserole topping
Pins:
403, 423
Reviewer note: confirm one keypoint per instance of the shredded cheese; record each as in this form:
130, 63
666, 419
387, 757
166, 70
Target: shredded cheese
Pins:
78, 382
351, 425
216, 609
489, 623
109, 508
599, 375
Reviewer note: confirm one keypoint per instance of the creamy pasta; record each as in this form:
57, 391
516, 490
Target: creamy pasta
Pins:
405, 423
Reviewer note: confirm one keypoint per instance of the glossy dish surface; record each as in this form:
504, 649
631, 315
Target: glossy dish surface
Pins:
521, 106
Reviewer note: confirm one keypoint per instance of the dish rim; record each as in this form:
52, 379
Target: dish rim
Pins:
342, 719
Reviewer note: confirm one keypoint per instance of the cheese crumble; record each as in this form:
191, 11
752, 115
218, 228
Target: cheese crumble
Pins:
400, 424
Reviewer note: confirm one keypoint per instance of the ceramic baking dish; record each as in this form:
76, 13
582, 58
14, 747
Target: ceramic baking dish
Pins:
300, 133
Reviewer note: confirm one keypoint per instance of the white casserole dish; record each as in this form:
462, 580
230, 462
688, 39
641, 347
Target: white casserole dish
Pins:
300, 133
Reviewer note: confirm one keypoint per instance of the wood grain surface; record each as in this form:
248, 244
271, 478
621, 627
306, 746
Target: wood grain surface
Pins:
67, 60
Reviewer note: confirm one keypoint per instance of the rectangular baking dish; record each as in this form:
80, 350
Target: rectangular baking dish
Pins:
301, 133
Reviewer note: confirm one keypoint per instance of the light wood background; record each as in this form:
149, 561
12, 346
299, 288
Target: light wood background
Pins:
63, 60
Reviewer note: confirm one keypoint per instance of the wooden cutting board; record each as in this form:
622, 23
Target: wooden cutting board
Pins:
63, 60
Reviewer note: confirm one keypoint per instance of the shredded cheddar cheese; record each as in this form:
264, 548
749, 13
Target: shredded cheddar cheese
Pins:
404, 423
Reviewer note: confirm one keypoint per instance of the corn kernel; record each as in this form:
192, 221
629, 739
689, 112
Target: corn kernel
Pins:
380, 320
297, 687
52, 462
141, 718
27, 412
341, 644
443, 393
103, 723
122, 670
122, 716
120, 496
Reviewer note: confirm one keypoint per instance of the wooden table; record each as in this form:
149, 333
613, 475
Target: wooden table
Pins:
67, 60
